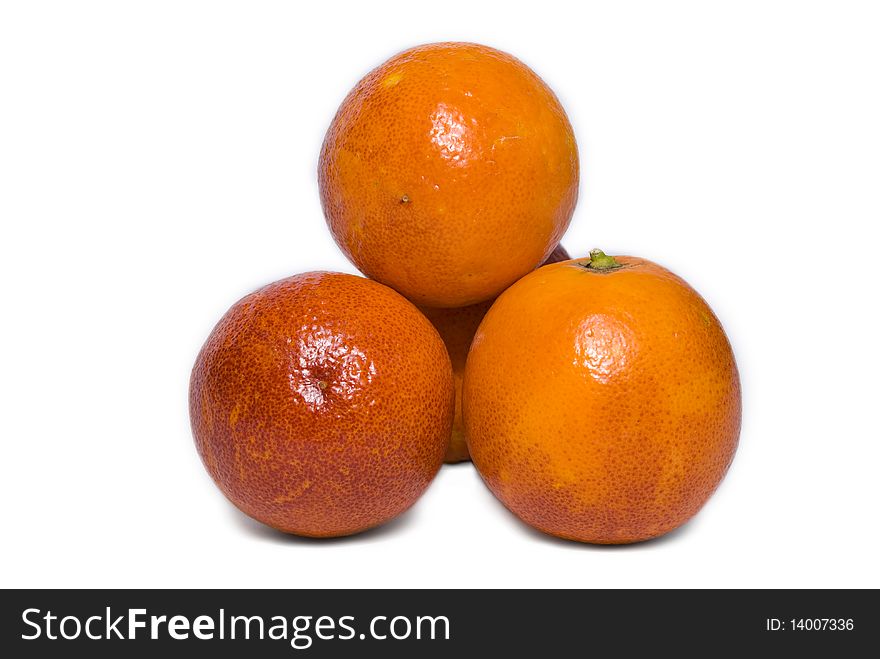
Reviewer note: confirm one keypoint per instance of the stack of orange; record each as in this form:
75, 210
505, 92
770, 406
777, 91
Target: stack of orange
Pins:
598, 397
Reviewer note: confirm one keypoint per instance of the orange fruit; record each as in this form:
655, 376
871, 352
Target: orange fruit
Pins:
457, 327
602, 400
448, 173
322, 404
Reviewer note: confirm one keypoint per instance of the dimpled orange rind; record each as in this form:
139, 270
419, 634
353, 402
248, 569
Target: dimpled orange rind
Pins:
322, 404
602, 407
449, 172
457, 327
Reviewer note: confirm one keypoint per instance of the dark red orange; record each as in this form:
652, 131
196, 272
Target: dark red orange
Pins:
322, 404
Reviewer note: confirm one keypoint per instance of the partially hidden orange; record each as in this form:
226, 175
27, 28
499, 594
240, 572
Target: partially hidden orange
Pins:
449, 172
457, 327
322, 404
602, 400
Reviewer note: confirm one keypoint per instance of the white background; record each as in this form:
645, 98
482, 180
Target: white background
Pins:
157, 162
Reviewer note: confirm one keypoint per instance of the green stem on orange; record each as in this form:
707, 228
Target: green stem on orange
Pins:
599, 260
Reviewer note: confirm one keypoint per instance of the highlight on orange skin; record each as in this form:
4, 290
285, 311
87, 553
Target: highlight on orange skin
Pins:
601, 344
324, 367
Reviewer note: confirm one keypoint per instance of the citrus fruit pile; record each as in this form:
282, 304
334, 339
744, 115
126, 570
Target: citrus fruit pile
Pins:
598, 397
